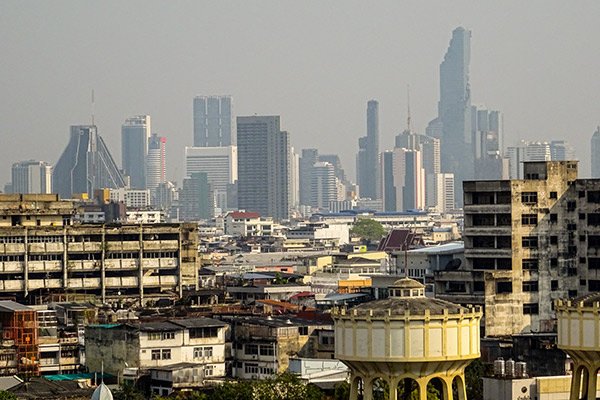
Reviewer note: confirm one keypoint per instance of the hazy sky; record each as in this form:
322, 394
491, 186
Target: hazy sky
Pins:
315, 63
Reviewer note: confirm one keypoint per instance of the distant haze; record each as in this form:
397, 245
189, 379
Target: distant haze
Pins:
314, 63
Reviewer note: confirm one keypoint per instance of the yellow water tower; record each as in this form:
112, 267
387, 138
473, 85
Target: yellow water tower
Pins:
579, 337
406, 341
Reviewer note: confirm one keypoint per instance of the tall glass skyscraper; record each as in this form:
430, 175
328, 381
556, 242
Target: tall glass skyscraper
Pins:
595, 144
367, 159
454, 109
212, 121
263, 166
135, 133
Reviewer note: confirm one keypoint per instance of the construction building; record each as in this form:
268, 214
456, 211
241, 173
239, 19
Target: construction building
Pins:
43, 253
527, 242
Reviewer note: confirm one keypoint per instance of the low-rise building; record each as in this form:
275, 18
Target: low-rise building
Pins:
156, 345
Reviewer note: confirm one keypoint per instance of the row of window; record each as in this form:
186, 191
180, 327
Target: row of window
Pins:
203, 352
162, 354
263, 349
250, 368
161, 335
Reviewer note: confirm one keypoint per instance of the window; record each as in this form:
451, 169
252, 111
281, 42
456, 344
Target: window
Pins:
530, 264
530, 242
581, 194
571, 205
531, 309
593, 285
503, 287
581, 216
168, 335
155, 355
530, 286
529, 219
593, 263
553, 285
483, 220
166, 354
303, 330
208, 352
571, 227
209, 370
529, 197
503, 219
553, 195
554, 262
478, 286
593, 196
504, 263
251, 349
267, 350
251, 368
197, 352
197, 333
553, 217
572, 293
553, 239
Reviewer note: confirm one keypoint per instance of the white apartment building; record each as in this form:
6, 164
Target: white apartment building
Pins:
132, 198
148, 345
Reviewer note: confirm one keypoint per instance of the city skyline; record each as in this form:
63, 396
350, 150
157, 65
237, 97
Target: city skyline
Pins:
526, 73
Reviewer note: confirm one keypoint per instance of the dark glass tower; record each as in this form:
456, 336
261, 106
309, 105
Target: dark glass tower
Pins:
367, 159
454, 109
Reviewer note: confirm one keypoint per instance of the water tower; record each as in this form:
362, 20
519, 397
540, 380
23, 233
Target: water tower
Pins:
579, 337
406, 340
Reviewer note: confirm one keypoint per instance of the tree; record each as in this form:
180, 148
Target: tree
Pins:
368, 229
128, 392
4, 395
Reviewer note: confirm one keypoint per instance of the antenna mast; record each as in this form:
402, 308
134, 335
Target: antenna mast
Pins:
93, 106
408, 106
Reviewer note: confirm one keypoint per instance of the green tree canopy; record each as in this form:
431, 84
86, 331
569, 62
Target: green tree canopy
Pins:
368, 229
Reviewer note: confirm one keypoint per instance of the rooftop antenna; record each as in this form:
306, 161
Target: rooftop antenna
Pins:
93, 105
408, 106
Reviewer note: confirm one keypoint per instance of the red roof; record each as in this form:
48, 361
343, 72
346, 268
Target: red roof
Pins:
243, 214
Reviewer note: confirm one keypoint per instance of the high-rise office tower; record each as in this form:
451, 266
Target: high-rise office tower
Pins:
454, 108
195, 199
430, 151
220, 166
595, 145
323, 185
334, 160
561, 150
294, 180
212, 121
263, 162
135, 133
388, 189
409, 179
445, 200
308, 159
156, 165
85, 165
526, 151
487, 135
31, 177
367, 159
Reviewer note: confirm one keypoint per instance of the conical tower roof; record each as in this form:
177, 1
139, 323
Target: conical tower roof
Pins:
102, 392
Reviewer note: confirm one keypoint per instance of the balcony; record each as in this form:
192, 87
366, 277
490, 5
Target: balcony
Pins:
83, 283
121, 264
161, 245
44, 283
89, 247
12, 248
488, 252
44, 266
168, 281
13, 285
83, 265
123, 281
12, 266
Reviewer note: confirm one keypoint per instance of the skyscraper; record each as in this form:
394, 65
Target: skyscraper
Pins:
487, 135
135, 133
561, 150
156, 166
220, 166
409, 179
367, 159
31, 177
85, 165
323, 185
212, 121
444, 192
195, 199
526, 151
308, 159
454, 108
263, 162
388, 189
596, 153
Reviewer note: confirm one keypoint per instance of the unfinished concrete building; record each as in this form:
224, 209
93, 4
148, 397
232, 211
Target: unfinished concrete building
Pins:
527, 243
43, 253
